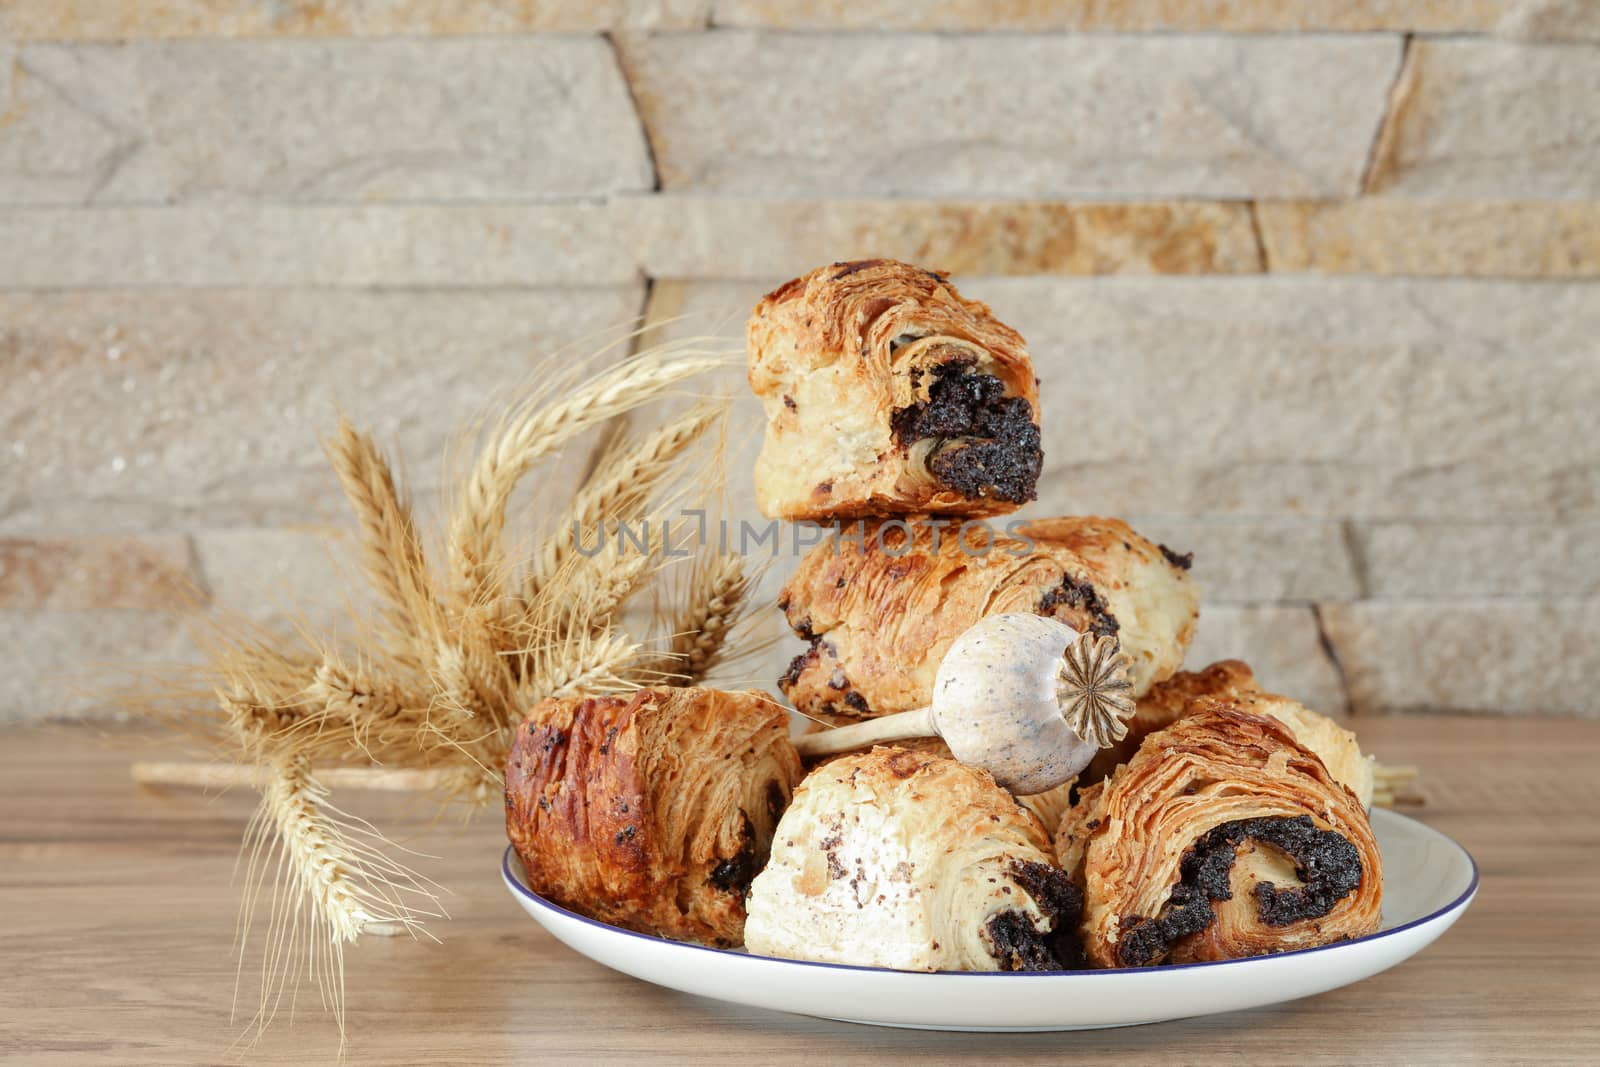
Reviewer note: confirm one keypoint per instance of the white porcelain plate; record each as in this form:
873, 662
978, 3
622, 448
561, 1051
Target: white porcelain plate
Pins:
1428, 882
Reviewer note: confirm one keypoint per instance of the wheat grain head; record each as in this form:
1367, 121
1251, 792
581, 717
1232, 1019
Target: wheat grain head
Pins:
327, 878
536, 430
618, 488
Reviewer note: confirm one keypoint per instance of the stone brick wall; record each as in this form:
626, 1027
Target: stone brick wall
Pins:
1322, 273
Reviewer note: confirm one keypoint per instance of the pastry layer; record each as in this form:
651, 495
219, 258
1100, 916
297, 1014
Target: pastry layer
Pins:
1222, 837
887, 393
902, 859
652, 811
880, 610
1233, 680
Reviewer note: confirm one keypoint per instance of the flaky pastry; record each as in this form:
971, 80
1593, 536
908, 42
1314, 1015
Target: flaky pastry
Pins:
652, 810
887, 393
1233, 680
880, 610
902, 859
1222, 837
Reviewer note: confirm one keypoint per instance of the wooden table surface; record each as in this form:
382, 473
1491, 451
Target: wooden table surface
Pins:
118, 915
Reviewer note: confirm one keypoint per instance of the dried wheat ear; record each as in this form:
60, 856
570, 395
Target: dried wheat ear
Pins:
464, 638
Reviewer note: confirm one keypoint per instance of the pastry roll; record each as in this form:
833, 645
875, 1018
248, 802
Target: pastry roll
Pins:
653, 810
1233, 680
901, 859
1222, 837
886, 393
881, 609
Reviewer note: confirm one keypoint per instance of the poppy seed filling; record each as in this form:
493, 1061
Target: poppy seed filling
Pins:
1017, 944
1329, 865
989, 445
1075, 595
733, 875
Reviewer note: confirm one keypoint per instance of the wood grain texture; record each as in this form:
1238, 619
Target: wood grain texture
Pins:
119, 914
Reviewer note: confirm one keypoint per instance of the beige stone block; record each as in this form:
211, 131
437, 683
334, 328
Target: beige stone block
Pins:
1230, 16
311, 245
395, 120
62, 663
82, 20
1393, 398
1497, 657
1282, 644
1246, 560
1492, 120
160, 409
1534, 558
707, 237
1552, 239
305, 572
1046, 116
154, 572
130, 19
1550, 20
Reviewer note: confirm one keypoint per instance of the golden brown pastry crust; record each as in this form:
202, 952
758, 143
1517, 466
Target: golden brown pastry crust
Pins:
1232, 680
651, 811
848, 360
894, 858
1179, 850
880, 619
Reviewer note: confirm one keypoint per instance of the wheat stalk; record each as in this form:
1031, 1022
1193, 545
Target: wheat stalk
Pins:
380, 714
262, 698
330, 881
582, 665
717, 594
391, 552
435, 692
614, 438
472, 696
612, 578
533, 433
476, 707
618, 487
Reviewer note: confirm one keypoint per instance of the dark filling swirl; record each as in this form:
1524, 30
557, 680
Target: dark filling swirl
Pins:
734, 874
1018, 945
1080, 596
1329, 865
994, 447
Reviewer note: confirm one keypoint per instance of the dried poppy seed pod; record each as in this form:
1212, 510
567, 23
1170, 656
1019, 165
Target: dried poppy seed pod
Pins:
1026, 698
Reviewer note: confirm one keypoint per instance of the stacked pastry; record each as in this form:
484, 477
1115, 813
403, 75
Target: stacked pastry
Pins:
898, 406
1226, 822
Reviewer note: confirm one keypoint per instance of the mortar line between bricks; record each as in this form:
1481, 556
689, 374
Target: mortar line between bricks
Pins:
1358, 558
1393, 105
1263, 261
610, 37
1333, 658
205, 589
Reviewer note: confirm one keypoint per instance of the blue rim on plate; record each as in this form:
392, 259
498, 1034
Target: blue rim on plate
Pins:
512, 878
